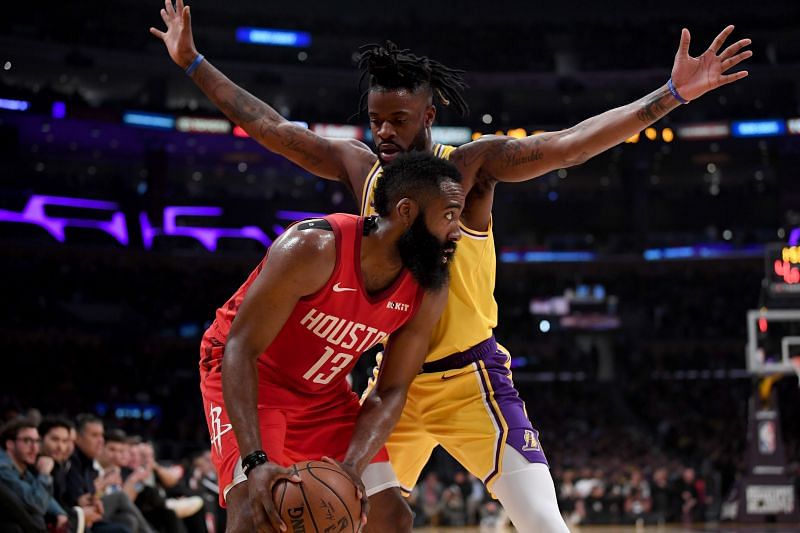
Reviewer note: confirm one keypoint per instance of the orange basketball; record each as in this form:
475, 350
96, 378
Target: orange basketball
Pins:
325, 500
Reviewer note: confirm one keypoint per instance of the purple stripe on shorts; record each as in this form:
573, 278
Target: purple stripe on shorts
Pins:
521, 434
501, 434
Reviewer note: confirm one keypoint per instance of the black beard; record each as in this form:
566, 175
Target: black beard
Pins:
422, 254
417, 145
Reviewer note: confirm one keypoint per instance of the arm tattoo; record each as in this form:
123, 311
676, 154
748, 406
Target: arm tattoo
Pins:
293, 140
239, 105
515, 154
655, 107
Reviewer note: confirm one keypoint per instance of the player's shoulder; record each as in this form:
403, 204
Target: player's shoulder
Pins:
311, 240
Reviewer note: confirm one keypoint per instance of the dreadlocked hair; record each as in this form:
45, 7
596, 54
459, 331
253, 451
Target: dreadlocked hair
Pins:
391, 67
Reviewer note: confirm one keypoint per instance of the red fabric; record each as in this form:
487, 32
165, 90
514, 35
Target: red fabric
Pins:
306, 407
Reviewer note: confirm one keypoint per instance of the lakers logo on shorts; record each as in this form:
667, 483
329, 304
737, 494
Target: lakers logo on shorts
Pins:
531, 443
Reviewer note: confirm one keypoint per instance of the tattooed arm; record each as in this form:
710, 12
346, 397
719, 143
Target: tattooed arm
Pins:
506, 159
342, 160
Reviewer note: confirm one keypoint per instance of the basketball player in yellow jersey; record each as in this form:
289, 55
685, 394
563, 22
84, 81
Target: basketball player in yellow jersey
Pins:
464, 398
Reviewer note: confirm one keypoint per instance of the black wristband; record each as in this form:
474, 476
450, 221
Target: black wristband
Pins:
258, 457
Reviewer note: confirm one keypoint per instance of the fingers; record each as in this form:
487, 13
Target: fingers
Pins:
683, 48
287, 473
179, 6
734, 48
735, 60
720, 39
165, 17
274, 518
730, 78
261, 520
169, 7
186, 16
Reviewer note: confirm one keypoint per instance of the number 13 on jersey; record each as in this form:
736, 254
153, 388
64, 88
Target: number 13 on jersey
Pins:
338, 363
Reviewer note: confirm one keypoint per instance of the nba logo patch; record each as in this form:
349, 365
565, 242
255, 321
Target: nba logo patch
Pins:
531, 442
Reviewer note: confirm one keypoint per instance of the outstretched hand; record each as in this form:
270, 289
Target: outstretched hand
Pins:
178, 37
695, 76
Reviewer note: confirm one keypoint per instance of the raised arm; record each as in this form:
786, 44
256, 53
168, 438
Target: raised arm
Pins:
337, 159
507, 159
299, 263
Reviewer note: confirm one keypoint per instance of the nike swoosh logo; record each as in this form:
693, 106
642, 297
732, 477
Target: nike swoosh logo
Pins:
337, 288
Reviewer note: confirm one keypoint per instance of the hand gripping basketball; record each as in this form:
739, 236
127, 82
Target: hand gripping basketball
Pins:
356, 479
327, 499
260, 483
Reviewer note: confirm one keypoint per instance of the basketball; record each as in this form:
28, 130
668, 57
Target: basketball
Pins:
325, 500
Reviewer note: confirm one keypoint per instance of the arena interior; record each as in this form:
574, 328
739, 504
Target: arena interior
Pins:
131, 208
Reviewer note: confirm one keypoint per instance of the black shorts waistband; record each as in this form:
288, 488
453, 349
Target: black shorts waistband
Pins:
462, 359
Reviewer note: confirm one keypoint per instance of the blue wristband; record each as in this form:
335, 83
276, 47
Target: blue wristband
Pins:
191, 68
673, 90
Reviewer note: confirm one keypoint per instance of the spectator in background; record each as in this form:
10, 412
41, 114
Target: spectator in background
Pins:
148, 499
598, 507
115, 457
203, 481
637, 501
476, 498
662, 496
166, 481
454, 505
81, 476
691, 506
637, 507
57, 443
431, 498
28, 477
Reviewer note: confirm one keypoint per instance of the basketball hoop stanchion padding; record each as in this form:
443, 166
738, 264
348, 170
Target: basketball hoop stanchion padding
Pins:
796, 365
766, 493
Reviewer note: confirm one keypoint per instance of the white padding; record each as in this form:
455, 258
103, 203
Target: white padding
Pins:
378, 477
238, 477
527, 493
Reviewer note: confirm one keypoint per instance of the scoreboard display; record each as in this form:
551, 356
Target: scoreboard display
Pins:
783, 269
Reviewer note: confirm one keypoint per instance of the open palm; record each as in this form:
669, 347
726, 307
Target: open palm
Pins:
178, 37
695, 76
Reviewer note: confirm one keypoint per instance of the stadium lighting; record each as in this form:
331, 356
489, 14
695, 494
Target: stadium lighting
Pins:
273, 37
14, 105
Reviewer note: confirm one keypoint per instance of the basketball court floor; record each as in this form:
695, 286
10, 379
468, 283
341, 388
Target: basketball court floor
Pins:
670, 528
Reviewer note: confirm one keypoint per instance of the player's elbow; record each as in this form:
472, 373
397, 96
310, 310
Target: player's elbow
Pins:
572, 149
238, 353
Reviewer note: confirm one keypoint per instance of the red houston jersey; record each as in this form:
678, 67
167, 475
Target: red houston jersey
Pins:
327, 330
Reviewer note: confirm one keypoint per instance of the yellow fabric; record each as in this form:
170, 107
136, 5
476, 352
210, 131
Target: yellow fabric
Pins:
471, 311
452, 409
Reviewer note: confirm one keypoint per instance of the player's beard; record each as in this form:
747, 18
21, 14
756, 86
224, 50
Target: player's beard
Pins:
417, 144
423, 254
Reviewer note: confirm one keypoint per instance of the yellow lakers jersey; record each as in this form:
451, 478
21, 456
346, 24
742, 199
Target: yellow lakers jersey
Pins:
471, 311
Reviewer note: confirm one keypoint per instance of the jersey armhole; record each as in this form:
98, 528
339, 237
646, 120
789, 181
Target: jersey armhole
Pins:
337, 232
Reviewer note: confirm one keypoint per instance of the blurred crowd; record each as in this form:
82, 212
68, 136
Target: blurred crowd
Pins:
76, 475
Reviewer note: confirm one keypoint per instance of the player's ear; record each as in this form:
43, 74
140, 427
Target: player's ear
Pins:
430, 115
407, 210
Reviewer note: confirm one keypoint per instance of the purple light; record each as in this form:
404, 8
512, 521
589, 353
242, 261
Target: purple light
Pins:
208, 237
59, 110
148, 231
794, 237
297, 215
34, 213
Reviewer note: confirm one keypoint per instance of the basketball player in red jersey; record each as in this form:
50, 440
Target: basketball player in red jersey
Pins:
501, 447
274, 362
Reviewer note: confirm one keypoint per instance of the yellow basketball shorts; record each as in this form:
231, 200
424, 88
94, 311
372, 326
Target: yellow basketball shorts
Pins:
471, 409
